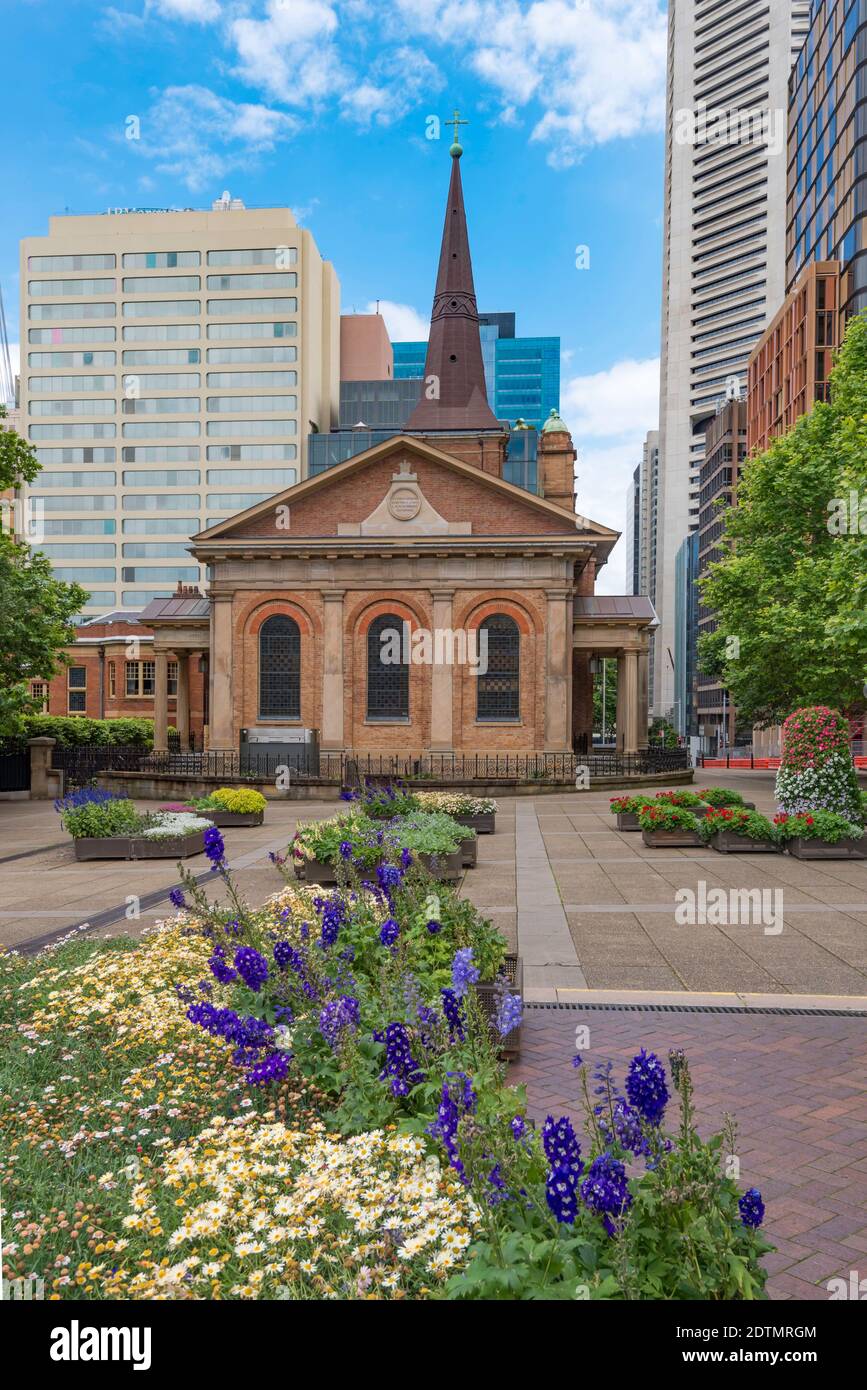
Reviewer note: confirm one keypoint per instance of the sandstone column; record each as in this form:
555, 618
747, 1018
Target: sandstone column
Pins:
161, 702
442, 672
222, 734
331, 735
620, 714
558, 672
643, 693
630, 701
183, 699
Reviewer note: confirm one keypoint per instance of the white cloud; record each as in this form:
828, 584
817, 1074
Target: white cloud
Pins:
198, 137
394, 85
613, 410
404, 323
289, 53
190, 11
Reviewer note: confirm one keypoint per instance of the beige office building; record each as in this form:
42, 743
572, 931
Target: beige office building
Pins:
723, 244
172, 367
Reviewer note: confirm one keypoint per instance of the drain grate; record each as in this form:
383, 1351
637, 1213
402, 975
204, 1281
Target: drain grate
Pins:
700, 1009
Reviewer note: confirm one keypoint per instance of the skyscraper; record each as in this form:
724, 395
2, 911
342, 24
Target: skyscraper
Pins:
723, 242
173, 365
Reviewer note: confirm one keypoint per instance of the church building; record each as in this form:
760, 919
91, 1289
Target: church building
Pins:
412, 599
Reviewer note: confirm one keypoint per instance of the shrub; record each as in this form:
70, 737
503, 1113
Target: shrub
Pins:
72, 731
816, 772
628, 805
680, 798
241, 800
90, 813
817, 825
751, 824
660, 815
721, 796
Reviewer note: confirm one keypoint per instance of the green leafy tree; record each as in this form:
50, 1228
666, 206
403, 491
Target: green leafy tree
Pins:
610, 698
790, 589
35, 608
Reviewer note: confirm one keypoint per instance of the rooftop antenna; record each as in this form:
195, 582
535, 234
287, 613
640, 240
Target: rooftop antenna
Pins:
7, 381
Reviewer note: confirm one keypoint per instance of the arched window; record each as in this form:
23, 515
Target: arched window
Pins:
499, 655
388, 668
279, 668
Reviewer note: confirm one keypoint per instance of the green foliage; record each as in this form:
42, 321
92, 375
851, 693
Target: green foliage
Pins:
35, 622
662, 815
662, 734
751, 824
721, 796
792, 588
681, 798
624, 805
101, 820
818, 825
73, 731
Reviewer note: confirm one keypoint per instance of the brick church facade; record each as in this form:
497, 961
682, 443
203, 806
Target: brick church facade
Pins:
410, 599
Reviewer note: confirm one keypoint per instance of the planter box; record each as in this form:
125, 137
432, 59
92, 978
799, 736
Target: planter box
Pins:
671, 839
317, 871
802, 848
138, 847
627, 820
488, 996
227, 819
728, 842
470, 852
445, 867
484, 824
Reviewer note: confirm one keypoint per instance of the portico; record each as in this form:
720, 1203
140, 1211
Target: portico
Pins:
619, 627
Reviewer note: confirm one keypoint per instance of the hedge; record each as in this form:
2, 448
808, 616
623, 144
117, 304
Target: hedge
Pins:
72, 731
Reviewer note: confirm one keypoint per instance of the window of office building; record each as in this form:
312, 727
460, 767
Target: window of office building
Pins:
160, 525
239, 355
160, 405
97, 333
160, 284
273, 478
160, 260
160, 501
160, 453
159, 332
71, 311
159, 308
72, 383
88, 431
160, 357
235, 501
81, 502
251, 380
103, 357
72, 408
93, 261
230, 427
162, 381
158, 574
77, 526
79, 550
159, 429
98, 477
155, 550
285, 305
228, 404
161, 477
275, 255
251, 330
270, 280
139, 598
71, 287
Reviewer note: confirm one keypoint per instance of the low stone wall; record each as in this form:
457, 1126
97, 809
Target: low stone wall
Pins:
150, 786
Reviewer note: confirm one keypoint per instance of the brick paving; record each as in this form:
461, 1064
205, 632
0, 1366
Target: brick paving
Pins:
797, 1087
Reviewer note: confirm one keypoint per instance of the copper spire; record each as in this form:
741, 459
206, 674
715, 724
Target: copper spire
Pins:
453, 365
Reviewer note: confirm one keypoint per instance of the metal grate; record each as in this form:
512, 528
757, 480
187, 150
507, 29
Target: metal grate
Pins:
701, 1009
498, 692
279, 668
387, 668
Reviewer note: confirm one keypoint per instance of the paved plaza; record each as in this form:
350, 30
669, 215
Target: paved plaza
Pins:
591, 911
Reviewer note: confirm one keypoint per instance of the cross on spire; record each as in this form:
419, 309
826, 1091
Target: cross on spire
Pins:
456, 121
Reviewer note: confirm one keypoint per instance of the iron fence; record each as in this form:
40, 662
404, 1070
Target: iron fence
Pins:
306, 763
14, 768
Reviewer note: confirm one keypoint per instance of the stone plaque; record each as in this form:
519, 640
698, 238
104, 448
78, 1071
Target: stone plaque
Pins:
404, 504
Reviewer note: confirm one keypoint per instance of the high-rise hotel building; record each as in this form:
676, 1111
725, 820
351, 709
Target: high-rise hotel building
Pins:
724, 229
172, 367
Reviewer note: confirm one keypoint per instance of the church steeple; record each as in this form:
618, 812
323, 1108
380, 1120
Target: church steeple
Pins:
453, 366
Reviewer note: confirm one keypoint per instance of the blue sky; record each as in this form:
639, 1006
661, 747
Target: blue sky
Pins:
324, 105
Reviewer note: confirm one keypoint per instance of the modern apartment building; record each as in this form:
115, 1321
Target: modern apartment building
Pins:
826, 205
632, 533
725, 451
723, 242
522, 375
790, 366
173, 365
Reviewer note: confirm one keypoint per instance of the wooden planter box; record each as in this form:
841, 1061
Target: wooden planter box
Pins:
445, 867
671, 839
728, 842
470, 852
484, 824
488, 996
138, 847
802, 848
317, 871
226, 820
627, 820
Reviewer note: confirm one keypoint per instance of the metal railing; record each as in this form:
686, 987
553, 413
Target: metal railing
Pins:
14, 768
307, 763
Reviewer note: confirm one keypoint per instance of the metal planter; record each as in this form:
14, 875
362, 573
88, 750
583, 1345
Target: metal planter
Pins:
802, 848
138, 847
729, 842
672, 839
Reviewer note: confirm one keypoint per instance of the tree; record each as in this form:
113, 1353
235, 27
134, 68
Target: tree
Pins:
35, 608
610, 698
790, 588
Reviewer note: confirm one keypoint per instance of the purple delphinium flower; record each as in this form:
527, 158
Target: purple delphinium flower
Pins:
508, 1016
333, 912
273, 1067
560, 1194
518, 1126
337, 1015
752, 1208
646, 1088
176, 898
405, 858
389, 932
401, 1069
605, 1190
345, 849
215, 847
464, 972
219, 969
388, 876
577, 1060
252, 967
561, 1145
434, 927
456, 1100
453, 1012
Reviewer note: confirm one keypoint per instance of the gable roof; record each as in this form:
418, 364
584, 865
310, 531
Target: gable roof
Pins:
308, 487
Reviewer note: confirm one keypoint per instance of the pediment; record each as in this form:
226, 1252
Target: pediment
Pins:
404, 511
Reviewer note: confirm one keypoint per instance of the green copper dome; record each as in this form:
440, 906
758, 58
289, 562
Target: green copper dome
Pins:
554, 424
456, 150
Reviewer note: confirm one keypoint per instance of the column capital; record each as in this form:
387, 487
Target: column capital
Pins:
442, 595
333, 595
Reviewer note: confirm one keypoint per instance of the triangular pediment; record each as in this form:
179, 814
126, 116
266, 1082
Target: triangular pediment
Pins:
379, 471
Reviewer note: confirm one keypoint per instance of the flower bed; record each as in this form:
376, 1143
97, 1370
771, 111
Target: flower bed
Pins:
104, 826
665, 825
321, 848
626, 809
307, 1100
739, 831
816, 772
821, 835
725, 796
